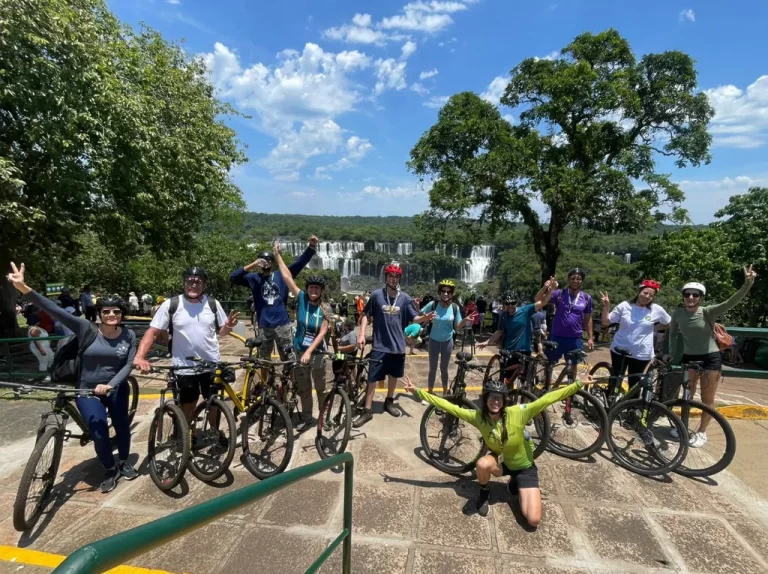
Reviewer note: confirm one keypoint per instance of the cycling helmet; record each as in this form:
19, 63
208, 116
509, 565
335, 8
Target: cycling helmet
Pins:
577, 271
316, 280
393, 268
450, 283
650, 283
495, 386
509, 298
695, 286
268, 255
196, 271
111, 301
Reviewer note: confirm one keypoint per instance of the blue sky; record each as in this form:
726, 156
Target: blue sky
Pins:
339, 91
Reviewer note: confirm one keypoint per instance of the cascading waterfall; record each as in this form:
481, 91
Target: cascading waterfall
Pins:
404, 248
379, 247
338, 255
476, 268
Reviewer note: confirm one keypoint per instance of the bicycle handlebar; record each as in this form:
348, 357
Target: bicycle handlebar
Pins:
24, 389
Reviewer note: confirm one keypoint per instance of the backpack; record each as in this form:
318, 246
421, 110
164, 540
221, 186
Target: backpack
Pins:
172, 311
66, 359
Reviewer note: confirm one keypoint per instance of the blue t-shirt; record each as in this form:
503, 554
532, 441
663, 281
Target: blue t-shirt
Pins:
391, 315
309, 319
443, 325
537, 319
413, 330
270, 294
517, 331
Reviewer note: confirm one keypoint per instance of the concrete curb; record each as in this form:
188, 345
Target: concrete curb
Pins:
46, 560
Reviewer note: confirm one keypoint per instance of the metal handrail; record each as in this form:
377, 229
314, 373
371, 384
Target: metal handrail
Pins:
104, 554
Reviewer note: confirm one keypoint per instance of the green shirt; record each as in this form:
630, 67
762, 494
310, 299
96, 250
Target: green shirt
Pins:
517, 451
697, 329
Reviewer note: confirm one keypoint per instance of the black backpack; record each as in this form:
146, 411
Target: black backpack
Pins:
172, 311
66, 360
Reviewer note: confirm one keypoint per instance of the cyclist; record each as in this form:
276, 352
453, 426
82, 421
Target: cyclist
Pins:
637, 320
359, 307
696, 326
412, 336
312, 320
391, 311
446, 322
192, 321
504, 433
515, 327
270, 296
104, 368
482, 307
573, 316
348, 341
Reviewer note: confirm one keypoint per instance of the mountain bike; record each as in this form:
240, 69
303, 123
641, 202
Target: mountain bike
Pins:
450, 444
41, 469
612, 392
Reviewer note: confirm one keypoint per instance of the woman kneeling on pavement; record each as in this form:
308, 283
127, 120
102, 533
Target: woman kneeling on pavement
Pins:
505, 435
312, 320
104, 368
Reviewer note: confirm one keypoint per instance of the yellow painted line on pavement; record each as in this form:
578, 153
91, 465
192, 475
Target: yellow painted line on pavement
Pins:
47, 560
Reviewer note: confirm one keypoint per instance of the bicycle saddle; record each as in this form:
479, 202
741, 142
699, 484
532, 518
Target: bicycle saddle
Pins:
549, 345
253, 343
622, 351
461, 356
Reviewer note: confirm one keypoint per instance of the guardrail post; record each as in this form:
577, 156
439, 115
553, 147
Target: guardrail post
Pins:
349, 472
9, 360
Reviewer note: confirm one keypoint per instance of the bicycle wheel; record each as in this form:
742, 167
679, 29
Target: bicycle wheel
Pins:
720, 448
38, 479
651, 449
602, 370
267, 439
449, 443
541, 424
133, 398
580, 432
168, 446
493, 368
214, 438
334, 424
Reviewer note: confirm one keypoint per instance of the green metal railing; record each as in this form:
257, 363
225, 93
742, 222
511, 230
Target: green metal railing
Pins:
7, 356
104, 554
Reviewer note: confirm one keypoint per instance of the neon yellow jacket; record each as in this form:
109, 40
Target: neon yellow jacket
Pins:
518, 451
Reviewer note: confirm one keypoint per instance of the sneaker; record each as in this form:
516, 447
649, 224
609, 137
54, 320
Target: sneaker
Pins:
425, 403
305, 423
674, 434
127, 471
110, 481
482, 500
389, 406
698, 440
364, 416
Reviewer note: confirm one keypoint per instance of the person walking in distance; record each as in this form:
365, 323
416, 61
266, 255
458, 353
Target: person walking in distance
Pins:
359, 306
270, 296
87, 305
344, 306
482, 308
391, 311
193, 322
696, 325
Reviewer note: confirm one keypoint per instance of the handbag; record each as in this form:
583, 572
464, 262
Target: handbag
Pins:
723, 338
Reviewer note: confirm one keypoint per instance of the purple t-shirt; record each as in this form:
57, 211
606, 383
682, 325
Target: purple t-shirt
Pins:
570, 312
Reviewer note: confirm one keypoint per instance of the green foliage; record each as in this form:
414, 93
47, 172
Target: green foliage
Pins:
591, 123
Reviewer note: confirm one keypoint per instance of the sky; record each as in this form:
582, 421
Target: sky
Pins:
337, 92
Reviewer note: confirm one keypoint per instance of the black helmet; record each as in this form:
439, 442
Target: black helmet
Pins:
268, 255
577, 271
111, 301
509, 298
196, 271
316, 280
495, 386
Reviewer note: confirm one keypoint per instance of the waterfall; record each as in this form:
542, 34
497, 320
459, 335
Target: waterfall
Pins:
475, 269
382, 247
338, 255
404, 248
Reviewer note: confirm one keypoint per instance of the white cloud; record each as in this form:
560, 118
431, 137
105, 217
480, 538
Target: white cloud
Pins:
390, 75
359, 32
174, 2
409, 48
302, 193
447, 7
687, 15
436, 101
428, 74
362, 20
509, 118
551, 56
451, 41
390, 192
356, 149
417, 21
419, 89
495, 90
316, 137
705, 197
741, 117
321, 173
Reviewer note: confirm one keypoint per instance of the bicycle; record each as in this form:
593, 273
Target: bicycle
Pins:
450, 444
52, 431
720, 448
641, 428
613, 392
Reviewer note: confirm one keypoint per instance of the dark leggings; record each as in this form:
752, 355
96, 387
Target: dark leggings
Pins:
94, 412
632, 366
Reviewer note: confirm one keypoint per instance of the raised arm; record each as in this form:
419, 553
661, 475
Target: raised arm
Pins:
530, 410
472, 416
545, 293
287, 274
714, 311
300, 263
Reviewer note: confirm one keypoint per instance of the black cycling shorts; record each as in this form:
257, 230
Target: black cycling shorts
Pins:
191, 386
712, 361
525, 478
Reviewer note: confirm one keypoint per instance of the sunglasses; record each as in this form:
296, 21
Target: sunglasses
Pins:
694, 295
115, 312
510, 304
193, 281
446, 292
495, 397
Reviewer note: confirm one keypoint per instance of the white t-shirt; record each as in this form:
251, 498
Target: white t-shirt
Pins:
636, 326
194, 330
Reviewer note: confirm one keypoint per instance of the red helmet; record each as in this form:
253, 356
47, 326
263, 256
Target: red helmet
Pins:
392, 268
650, 283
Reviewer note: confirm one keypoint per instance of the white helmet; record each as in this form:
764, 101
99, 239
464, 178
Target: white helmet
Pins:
697, 286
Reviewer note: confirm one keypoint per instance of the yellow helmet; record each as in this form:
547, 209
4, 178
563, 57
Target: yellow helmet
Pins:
160, 300
447, 283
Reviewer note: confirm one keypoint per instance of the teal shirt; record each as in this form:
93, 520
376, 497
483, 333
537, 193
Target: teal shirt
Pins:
517, 329
413, 330
309, 319
445, 321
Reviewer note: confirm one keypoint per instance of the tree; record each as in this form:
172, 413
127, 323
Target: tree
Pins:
103, 129
591, 124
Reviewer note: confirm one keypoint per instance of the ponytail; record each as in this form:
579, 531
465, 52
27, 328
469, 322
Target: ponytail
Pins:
504, 433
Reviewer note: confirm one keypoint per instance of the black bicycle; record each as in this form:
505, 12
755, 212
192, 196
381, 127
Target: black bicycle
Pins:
43, 465
450, 444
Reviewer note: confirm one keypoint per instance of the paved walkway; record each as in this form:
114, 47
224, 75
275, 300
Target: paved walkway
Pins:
408, 517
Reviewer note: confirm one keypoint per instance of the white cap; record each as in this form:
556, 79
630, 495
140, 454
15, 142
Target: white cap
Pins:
696, 286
